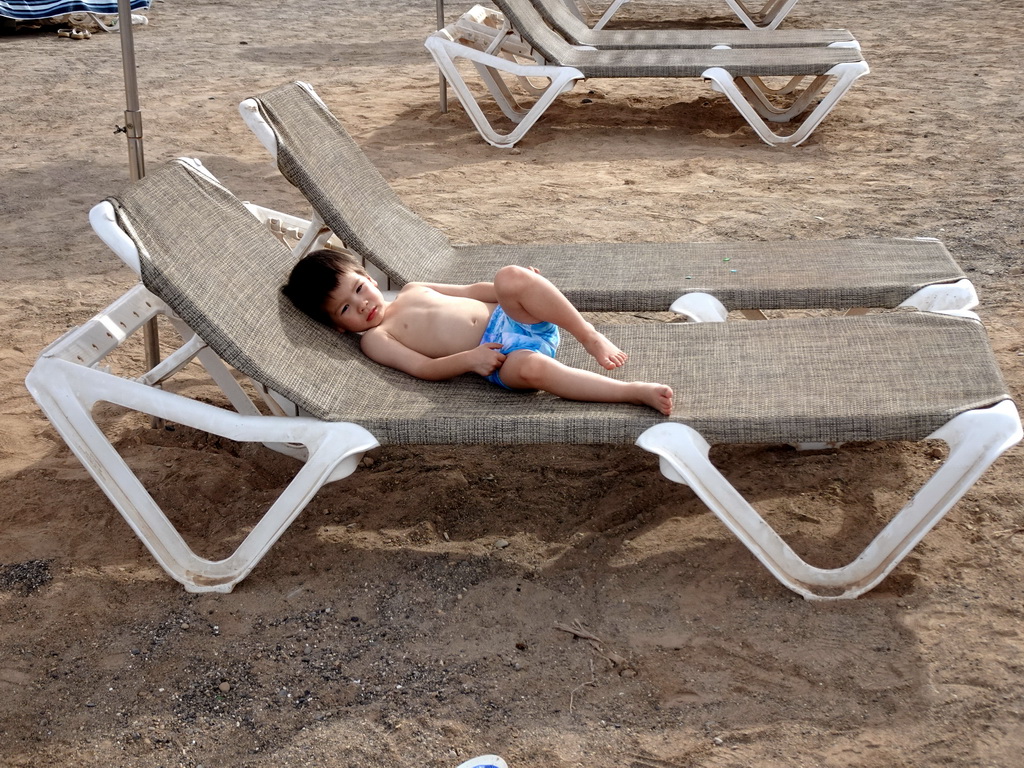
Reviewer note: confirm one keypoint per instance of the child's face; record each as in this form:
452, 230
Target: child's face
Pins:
356, 304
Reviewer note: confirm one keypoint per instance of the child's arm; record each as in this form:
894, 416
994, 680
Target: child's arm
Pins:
382, 347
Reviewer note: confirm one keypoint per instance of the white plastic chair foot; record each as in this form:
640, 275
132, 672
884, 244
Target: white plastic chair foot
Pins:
975, 438
960, 295
698, 307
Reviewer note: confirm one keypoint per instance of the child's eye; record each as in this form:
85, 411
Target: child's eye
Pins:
359, 288
344, 310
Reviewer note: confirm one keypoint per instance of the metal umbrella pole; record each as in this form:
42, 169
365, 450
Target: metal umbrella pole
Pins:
443, 84
133, 129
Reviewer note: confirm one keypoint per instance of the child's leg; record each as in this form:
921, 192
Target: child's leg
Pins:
529, 297
524, 369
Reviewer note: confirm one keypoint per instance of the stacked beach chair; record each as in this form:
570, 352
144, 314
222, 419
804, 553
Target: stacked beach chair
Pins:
541, 48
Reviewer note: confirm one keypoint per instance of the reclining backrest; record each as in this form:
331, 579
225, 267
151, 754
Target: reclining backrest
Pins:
561, 19
317, 155
221, 271
532, 27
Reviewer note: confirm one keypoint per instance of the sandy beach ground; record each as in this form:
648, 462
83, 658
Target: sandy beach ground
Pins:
415, 614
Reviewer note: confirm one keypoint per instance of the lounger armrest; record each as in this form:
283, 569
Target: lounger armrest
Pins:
443, 39
67, 382
249, 109
92, 386
104, 223
103, 220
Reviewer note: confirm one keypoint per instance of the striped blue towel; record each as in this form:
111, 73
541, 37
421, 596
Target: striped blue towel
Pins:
26, 10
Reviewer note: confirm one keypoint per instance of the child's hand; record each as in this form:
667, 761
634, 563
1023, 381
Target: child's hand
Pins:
486, 359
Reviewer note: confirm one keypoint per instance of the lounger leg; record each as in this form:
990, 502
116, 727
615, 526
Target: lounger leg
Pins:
501, 93
739, 94
610, 11
66, 393
790, 86
940, 297
66, 385
757, 94
699, 307
769, 16
975, 438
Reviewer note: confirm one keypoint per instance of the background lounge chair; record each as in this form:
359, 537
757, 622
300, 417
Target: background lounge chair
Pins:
209, 264
738, 74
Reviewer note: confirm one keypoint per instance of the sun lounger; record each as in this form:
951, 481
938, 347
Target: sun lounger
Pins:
568, 24
317, 155
737, 73
768, 16
894, 376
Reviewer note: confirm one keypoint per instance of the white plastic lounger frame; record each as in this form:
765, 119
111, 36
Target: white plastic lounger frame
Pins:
769, 16
746, 94
68, 380
975, 439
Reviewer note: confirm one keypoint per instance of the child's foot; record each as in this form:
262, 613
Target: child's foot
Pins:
657, 396
601, 349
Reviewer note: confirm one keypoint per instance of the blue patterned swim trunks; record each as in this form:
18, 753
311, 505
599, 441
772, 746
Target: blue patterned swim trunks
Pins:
537, 337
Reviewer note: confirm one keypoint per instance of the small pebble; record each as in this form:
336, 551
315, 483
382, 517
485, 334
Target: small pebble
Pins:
500, 544
225, 687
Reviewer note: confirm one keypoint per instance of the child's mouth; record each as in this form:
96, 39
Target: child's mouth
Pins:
372, 314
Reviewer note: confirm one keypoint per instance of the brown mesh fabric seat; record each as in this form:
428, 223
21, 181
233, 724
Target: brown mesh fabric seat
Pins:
316, 154
210, 265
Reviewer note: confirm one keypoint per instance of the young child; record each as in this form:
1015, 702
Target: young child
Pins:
505, 331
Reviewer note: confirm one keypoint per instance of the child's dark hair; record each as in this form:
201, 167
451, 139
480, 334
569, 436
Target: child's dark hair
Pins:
314, 277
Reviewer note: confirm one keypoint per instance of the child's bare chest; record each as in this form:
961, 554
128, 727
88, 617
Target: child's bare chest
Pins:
437, 325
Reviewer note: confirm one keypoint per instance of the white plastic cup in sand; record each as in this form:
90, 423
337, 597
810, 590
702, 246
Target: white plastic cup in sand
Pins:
485, 761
